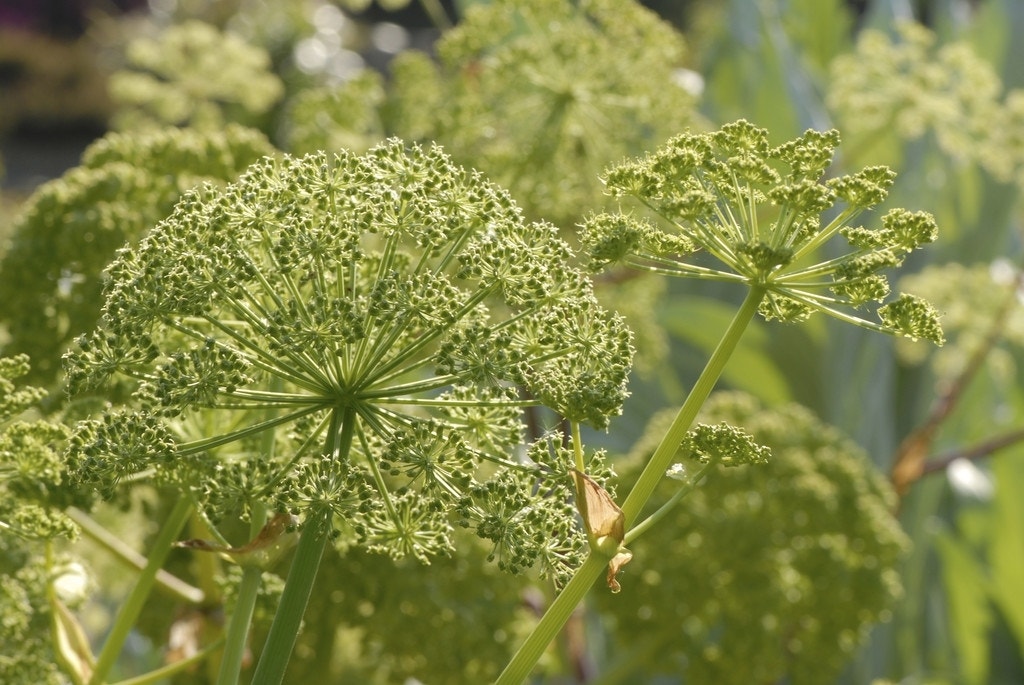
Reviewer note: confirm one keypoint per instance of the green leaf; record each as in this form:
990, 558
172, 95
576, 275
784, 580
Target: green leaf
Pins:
1007, 544
969, 607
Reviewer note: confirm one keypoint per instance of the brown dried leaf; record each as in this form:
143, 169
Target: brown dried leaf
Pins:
275, 538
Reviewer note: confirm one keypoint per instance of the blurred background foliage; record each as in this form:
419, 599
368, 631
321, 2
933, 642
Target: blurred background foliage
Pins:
541, 96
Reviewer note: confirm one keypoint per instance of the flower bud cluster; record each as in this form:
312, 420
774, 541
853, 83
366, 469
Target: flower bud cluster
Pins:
70, 229
33, 487
538, 94
735, 208
912, 85
193, 74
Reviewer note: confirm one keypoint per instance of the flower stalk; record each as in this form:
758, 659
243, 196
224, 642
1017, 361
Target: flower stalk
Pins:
132, 606
299, 585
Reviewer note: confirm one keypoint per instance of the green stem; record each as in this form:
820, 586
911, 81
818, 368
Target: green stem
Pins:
666, 451
132, 606
248, 589
519, 668
315, 532
241, 615
164, 672
524, 660
685, 489
238, 626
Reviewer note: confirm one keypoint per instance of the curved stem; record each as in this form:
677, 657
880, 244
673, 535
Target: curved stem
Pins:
315, 533
685, 489
132, 606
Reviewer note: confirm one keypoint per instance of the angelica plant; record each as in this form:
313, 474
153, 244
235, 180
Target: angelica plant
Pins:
982, 313
33, 495
350, 340
31, 475
728, 206
540, 95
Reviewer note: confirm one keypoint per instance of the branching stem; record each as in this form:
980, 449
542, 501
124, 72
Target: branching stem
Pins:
299, 585
666, 451
524, 660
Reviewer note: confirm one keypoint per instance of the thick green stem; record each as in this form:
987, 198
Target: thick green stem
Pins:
524, 660
252, 576
132, 606
522, 663
315, 533
666, 451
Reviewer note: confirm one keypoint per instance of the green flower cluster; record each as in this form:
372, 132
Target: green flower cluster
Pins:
70, 228
385, 615
540, 95
27, 657
765, 574
192, 74
722, 444
740, 210
394, 311
913, 86
33, 491
33, 494
977, 301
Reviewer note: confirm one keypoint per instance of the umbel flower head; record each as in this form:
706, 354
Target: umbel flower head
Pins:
193, 74
741, 210
910, 84
394, 300
32, 494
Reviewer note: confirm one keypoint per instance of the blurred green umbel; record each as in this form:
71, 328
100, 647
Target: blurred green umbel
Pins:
761, 574
539, 95
982, 312
71, 228
910, 85
193, 74
33, 493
